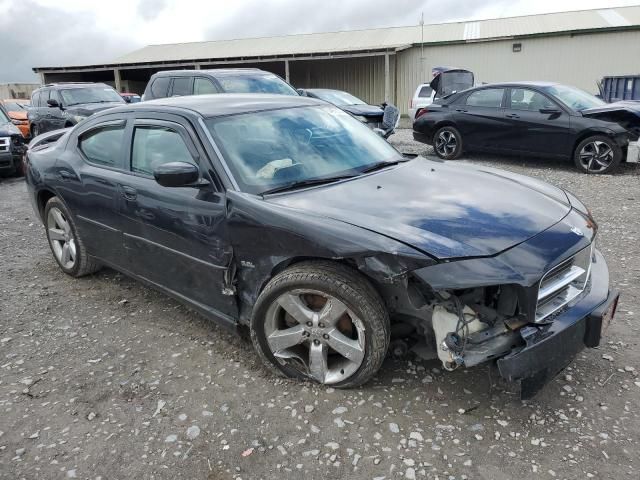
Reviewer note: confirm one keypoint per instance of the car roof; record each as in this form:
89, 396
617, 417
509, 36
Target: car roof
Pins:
74, 85
214, 72
519, 84
221, 104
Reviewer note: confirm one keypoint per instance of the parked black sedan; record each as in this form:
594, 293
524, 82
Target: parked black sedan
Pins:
534, 118
289, 217
372, 115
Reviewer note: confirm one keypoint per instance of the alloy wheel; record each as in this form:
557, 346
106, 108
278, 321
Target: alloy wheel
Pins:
446, 143
596, 156
61, 238
317, 334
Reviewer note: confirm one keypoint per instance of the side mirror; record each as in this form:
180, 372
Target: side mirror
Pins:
127, 99
301, 92
176, 174
550, 111
53, 103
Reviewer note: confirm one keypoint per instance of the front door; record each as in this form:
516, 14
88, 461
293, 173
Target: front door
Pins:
176, 237
536, 123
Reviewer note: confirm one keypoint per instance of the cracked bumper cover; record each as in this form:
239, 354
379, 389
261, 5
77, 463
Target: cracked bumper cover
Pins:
551, 348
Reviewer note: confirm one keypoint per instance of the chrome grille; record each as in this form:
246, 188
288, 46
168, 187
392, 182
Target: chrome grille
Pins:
5, 144
563, 283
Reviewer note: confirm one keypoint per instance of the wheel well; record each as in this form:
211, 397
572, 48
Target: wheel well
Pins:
43, 198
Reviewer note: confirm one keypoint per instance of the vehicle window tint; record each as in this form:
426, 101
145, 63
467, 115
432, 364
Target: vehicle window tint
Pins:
488, 97
203, 86
103, 145
154, 146
181, 86
160, 86
524, 99
425, 92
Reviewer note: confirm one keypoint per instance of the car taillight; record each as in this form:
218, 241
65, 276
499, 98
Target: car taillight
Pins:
421, 112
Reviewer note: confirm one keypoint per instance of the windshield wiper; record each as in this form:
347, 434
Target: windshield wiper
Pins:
306, 183
381, 165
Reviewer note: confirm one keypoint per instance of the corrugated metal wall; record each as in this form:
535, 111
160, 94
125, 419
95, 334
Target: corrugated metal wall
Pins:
360, 76
579, 60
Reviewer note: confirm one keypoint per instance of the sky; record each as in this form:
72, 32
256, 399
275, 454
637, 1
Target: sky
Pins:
41, 33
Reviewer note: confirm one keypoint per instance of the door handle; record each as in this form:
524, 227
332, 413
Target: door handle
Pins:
512, 115
128, 193
461, 110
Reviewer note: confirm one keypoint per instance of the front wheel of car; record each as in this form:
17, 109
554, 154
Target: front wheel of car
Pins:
447, 143
35, 131
321, 321
66, 245
597, 154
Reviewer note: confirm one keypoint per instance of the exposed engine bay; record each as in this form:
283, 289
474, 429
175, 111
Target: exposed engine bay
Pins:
463, 327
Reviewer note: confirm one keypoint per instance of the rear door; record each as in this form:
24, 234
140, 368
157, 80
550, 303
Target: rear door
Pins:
480, 118
175, 237
181, 86
88, 183
537, 124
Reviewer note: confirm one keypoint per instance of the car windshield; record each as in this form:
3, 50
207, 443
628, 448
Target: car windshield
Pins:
15, 106
271, 149
337, 97
255, 84
574, 97
75, 96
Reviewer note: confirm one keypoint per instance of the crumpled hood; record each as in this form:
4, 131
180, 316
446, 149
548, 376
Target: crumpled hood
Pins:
442, 209
630, 106
87, 109
363, 110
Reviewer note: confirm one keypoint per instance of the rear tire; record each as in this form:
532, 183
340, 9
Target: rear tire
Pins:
597, 155
66, 245
328, 306
447, 143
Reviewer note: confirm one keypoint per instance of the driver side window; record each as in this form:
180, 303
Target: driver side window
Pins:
156, 145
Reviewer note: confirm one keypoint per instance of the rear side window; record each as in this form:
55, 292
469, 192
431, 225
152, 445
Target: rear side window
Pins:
154, 146
182, 86
103, 146
425, 92
203, 86
160, 86
489, 97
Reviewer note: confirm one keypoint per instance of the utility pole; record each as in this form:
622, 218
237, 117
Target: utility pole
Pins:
422, 46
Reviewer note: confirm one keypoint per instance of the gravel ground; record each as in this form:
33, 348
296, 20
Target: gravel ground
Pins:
104, 378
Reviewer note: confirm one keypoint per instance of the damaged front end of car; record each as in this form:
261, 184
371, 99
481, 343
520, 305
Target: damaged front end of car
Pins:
530, 309
626, 114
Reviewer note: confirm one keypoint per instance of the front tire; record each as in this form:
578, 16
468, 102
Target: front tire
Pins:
447, 143
597, 154
322, 321
66, 245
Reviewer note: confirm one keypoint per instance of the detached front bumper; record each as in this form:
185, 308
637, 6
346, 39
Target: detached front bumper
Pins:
633, 152
550, 348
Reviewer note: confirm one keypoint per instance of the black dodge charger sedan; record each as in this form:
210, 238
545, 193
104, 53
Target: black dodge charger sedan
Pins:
531, 118
290, 218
